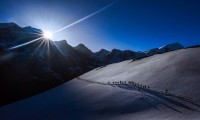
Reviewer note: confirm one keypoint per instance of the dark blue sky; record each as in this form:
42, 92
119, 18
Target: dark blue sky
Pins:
127, 24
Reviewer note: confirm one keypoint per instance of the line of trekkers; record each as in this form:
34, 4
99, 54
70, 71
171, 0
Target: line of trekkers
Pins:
140, 86
132, 83
129, 83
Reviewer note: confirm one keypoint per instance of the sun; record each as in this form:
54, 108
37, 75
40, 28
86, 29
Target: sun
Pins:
47, 35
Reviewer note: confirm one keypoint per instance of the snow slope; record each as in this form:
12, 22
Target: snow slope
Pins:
178, 71
88, 98
82, 100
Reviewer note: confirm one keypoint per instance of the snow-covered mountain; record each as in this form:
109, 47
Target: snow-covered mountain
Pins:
117, 55
152, 51
174, 70
165, 48
41, 65
83, 49
11, 34
38, 66
9, 25
31, 30
100, 55
66, 49
93, 96
171, 47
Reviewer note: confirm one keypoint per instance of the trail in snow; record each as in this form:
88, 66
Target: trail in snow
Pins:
160, 96
87, 100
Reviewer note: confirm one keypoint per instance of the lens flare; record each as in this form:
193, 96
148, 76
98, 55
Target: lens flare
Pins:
18, 46
86, 17
48, 35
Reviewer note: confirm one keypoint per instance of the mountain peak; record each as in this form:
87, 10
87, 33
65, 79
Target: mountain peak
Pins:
7, 25
61, 41
83, 49
165, 48
101, 55
176, 44
80, 45
115, 50
171, 47
103, 50
30, 29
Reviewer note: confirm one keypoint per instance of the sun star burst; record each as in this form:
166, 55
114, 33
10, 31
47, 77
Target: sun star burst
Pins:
48, 35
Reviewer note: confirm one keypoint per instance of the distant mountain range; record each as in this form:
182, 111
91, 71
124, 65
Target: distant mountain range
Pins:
41, 65
116, 55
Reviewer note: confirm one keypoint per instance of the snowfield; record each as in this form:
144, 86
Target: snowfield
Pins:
89, 97
178, 71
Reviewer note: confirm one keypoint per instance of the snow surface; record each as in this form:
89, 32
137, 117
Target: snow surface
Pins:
178, 71
88, 98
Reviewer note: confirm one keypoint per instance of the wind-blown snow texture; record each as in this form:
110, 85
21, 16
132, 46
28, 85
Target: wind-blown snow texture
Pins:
83, 99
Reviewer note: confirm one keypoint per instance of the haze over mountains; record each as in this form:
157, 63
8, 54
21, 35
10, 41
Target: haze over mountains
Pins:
41, 65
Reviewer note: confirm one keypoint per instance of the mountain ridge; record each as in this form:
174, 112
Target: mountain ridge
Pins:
44, 64
83, 49
95, 95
